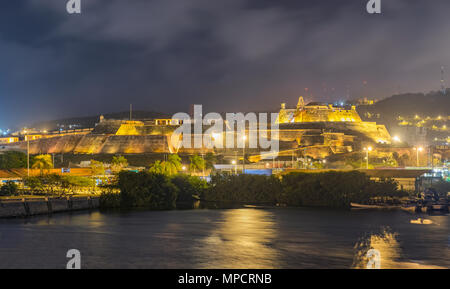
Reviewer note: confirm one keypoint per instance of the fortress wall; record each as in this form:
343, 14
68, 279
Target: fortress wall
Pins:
63, 144
96, 144
135, 144
364, 130
371, 130
90, 144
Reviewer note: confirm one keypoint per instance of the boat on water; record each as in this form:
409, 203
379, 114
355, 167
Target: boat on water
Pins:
439, 207
424, 209
364, 206
410, 208
257, 207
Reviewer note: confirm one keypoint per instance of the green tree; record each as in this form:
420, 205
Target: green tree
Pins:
42, 162
118, 163
197, 163
154, 191
175, 162
35, 184
157, 168
9, 189
74, 183
98, 168
169, 168
13, 160
189, 187
210, 160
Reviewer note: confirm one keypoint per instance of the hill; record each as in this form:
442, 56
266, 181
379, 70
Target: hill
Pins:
90, 121
407, 105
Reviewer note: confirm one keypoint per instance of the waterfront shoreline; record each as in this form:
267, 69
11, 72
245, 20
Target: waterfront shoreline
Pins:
46, 206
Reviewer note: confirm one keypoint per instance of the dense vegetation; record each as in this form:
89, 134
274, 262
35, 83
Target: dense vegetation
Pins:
334, 189
152, 190
9, 189
13, 160
327, 189
54, 184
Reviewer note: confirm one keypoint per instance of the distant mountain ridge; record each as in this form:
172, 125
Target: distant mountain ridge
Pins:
409, 104
90, 121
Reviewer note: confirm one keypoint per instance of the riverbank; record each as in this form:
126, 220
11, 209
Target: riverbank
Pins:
33, 206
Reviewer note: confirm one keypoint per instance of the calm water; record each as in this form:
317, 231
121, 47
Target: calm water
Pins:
236, 238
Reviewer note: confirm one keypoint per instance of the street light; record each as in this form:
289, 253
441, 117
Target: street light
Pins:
235, 166
367, 150
215, 137
396, 139
243, 154
419, 149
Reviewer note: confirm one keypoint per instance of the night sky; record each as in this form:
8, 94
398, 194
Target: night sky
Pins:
229, 55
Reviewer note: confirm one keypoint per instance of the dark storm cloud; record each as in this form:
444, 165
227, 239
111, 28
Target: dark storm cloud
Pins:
228, 55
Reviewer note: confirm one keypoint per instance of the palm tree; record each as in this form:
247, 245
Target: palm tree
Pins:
170, 167
173, 164
197, 163
42, 162
97, 167
118, 163
157, 168
210, 160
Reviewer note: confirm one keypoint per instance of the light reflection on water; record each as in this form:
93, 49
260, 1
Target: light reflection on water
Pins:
242, 239
237, 238
387, 245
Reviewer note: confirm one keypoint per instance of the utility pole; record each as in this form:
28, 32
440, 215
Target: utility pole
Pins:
203, 167
367, 159
243, 155
28, 158
292, 162
235, 162
367, 150
131, 111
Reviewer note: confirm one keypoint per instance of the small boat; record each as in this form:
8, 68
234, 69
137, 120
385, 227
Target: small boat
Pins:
363, 206
409, 208
424, 209
421, 221
257, 207
439, 207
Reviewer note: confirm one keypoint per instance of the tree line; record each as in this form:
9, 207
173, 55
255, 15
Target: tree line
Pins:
325, 189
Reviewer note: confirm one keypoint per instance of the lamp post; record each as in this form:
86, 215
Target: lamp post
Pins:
243, 154
419, 149
367, 150
28, 158
235, 166
203, 167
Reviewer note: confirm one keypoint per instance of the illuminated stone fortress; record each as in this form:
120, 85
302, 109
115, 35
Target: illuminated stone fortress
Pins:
317, 130
320, 129
317, 112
